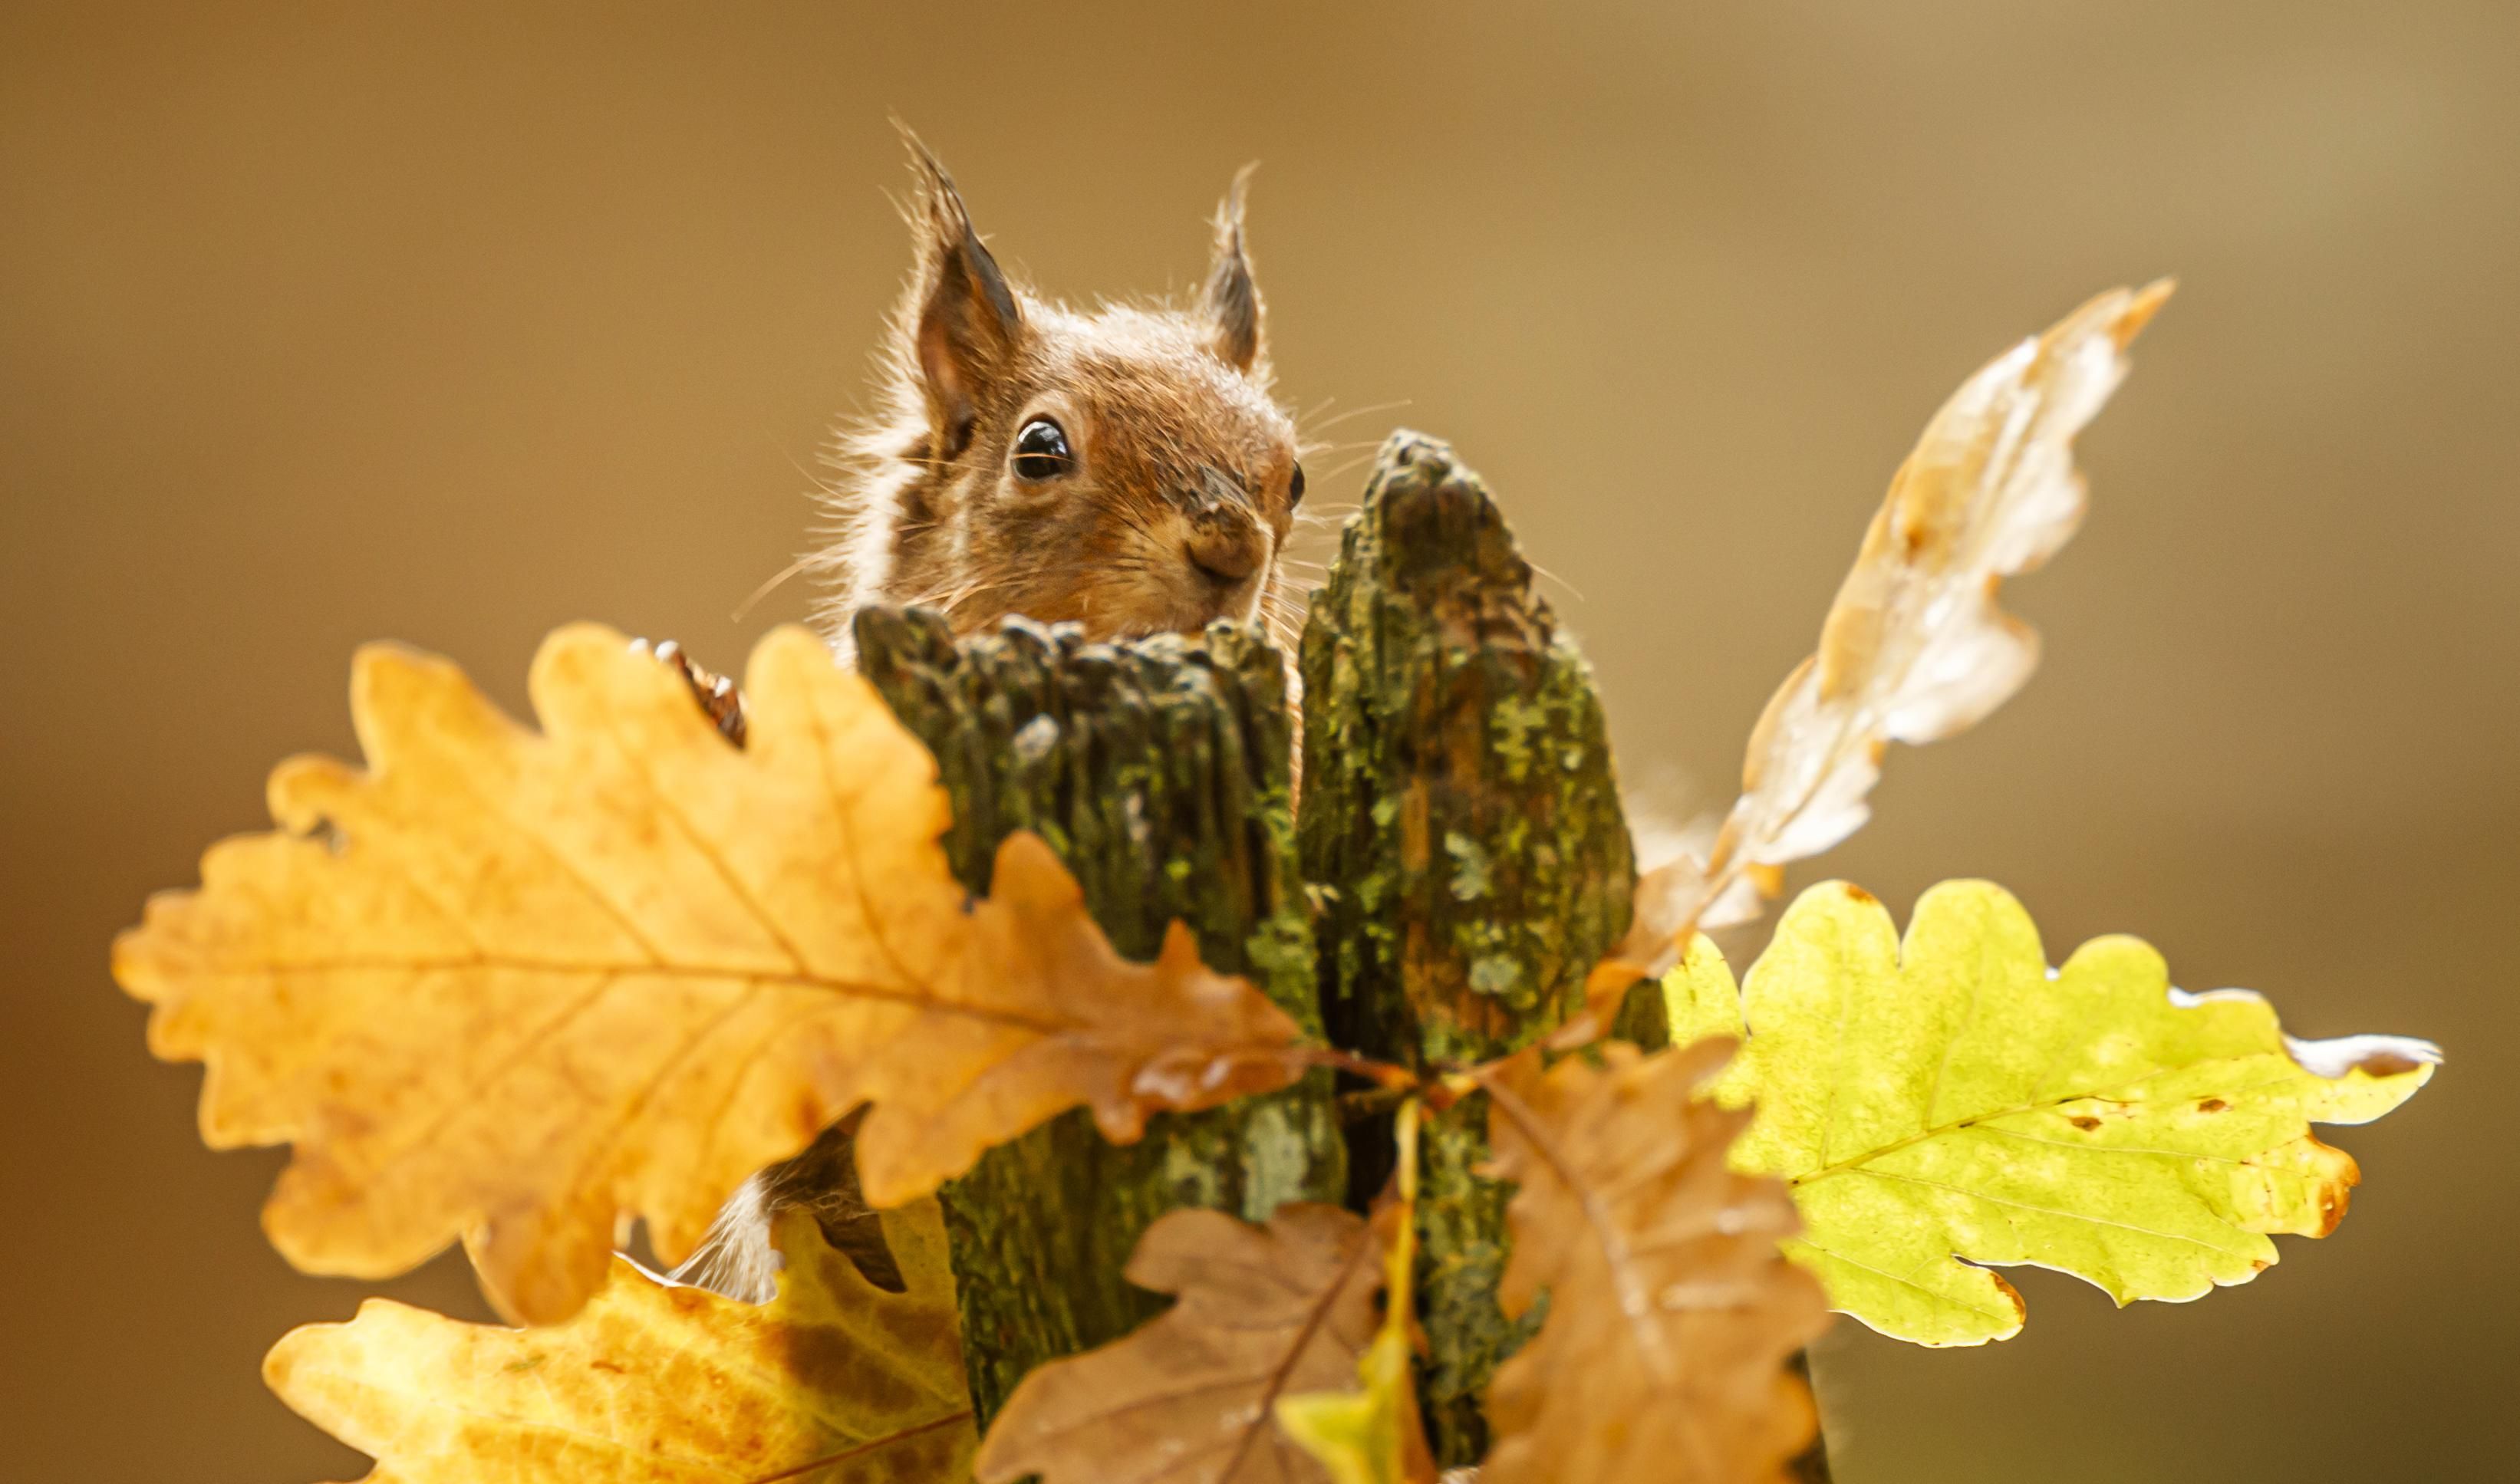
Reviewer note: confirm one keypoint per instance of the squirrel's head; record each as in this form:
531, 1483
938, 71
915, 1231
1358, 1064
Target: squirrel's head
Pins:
1126, 468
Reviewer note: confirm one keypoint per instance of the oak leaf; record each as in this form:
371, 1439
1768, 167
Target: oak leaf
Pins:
833, 1381
521, 986
1374, 1434
1371, 1435
1914, 649
1671, 1312
1699, 997
1263, 1312
1947, 1103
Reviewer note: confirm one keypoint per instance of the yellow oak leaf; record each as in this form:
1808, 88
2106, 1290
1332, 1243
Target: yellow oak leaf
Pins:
1373, 1435
1263, 1312
1672, 1312
833, 1381
521, 986
1366, 1436
1947, 1103
1699, 997
1914, 649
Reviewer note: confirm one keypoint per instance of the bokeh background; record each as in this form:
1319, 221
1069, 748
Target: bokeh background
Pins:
446, 324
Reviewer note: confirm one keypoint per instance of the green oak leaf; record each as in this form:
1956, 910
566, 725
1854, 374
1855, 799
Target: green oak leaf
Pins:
1698, 995
1949, 1103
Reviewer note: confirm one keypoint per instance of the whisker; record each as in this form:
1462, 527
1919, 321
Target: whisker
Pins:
1357, 412
764, 591
1570, 589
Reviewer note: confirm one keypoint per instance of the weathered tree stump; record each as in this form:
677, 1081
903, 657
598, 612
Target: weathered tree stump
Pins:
1159, 773
1459, 865
1462, 831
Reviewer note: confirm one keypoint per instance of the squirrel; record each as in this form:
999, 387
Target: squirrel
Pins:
1125, 469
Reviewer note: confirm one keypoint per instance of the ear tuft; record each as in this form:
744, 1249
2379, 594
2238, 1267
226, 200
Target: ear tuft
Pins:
1231, 304
967, 318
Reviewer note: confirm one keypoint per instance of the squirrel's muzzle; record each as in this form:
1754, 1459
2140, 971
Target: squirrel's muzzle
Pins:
1226, 543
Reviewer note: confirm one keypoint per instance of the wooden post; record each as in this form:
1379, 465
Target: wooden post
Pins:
1462, 830
1159, 773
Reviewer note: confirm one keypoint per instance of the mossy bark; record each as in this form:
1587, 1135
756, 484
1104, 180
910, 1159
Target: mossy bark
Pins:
1159, 773
1461, 829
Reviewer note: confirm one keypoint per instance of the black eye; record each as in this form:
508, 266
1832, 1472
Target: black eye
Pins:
1296, 487
1041, 451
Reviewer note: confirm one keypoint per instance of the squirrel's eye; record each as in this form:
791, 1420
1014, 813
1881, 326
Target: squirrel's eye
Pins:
1041, 451
1295, 487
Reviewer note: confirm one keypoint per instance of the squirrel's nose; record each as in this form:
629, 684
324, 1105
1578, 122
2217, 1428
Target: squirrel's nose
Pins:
1225, 544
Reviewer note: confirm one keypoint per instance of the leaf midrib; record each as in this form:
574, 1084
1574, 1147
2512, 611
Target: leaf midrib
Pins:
1858, 1162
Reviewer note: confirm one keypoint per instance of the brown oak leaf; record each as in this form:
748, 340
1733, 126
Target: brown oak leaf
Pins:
1264, 1312
521, 986
834, 1380
1671, 1311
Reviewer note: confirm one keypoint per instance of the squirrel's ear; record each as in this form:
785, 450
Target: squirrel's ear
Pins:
1231, 304
968, 319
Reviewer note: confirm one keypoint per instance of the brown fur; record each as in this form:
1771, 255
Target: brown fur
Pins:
1180, 501
736, 1258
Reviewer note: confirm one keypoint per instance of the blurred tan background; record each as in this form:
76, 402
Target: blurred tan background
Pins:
333, 323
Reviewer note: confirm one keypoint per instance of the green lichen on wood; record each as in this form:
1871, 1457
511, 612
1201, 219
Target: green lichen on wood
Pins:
1461, 829
1159, 773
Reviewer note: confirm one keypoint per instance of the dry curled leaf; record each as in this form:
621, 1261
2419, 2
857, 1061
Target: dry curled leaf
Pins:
521, 986
833, 1381
1671, 1311
1914, 649
1263, 1312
